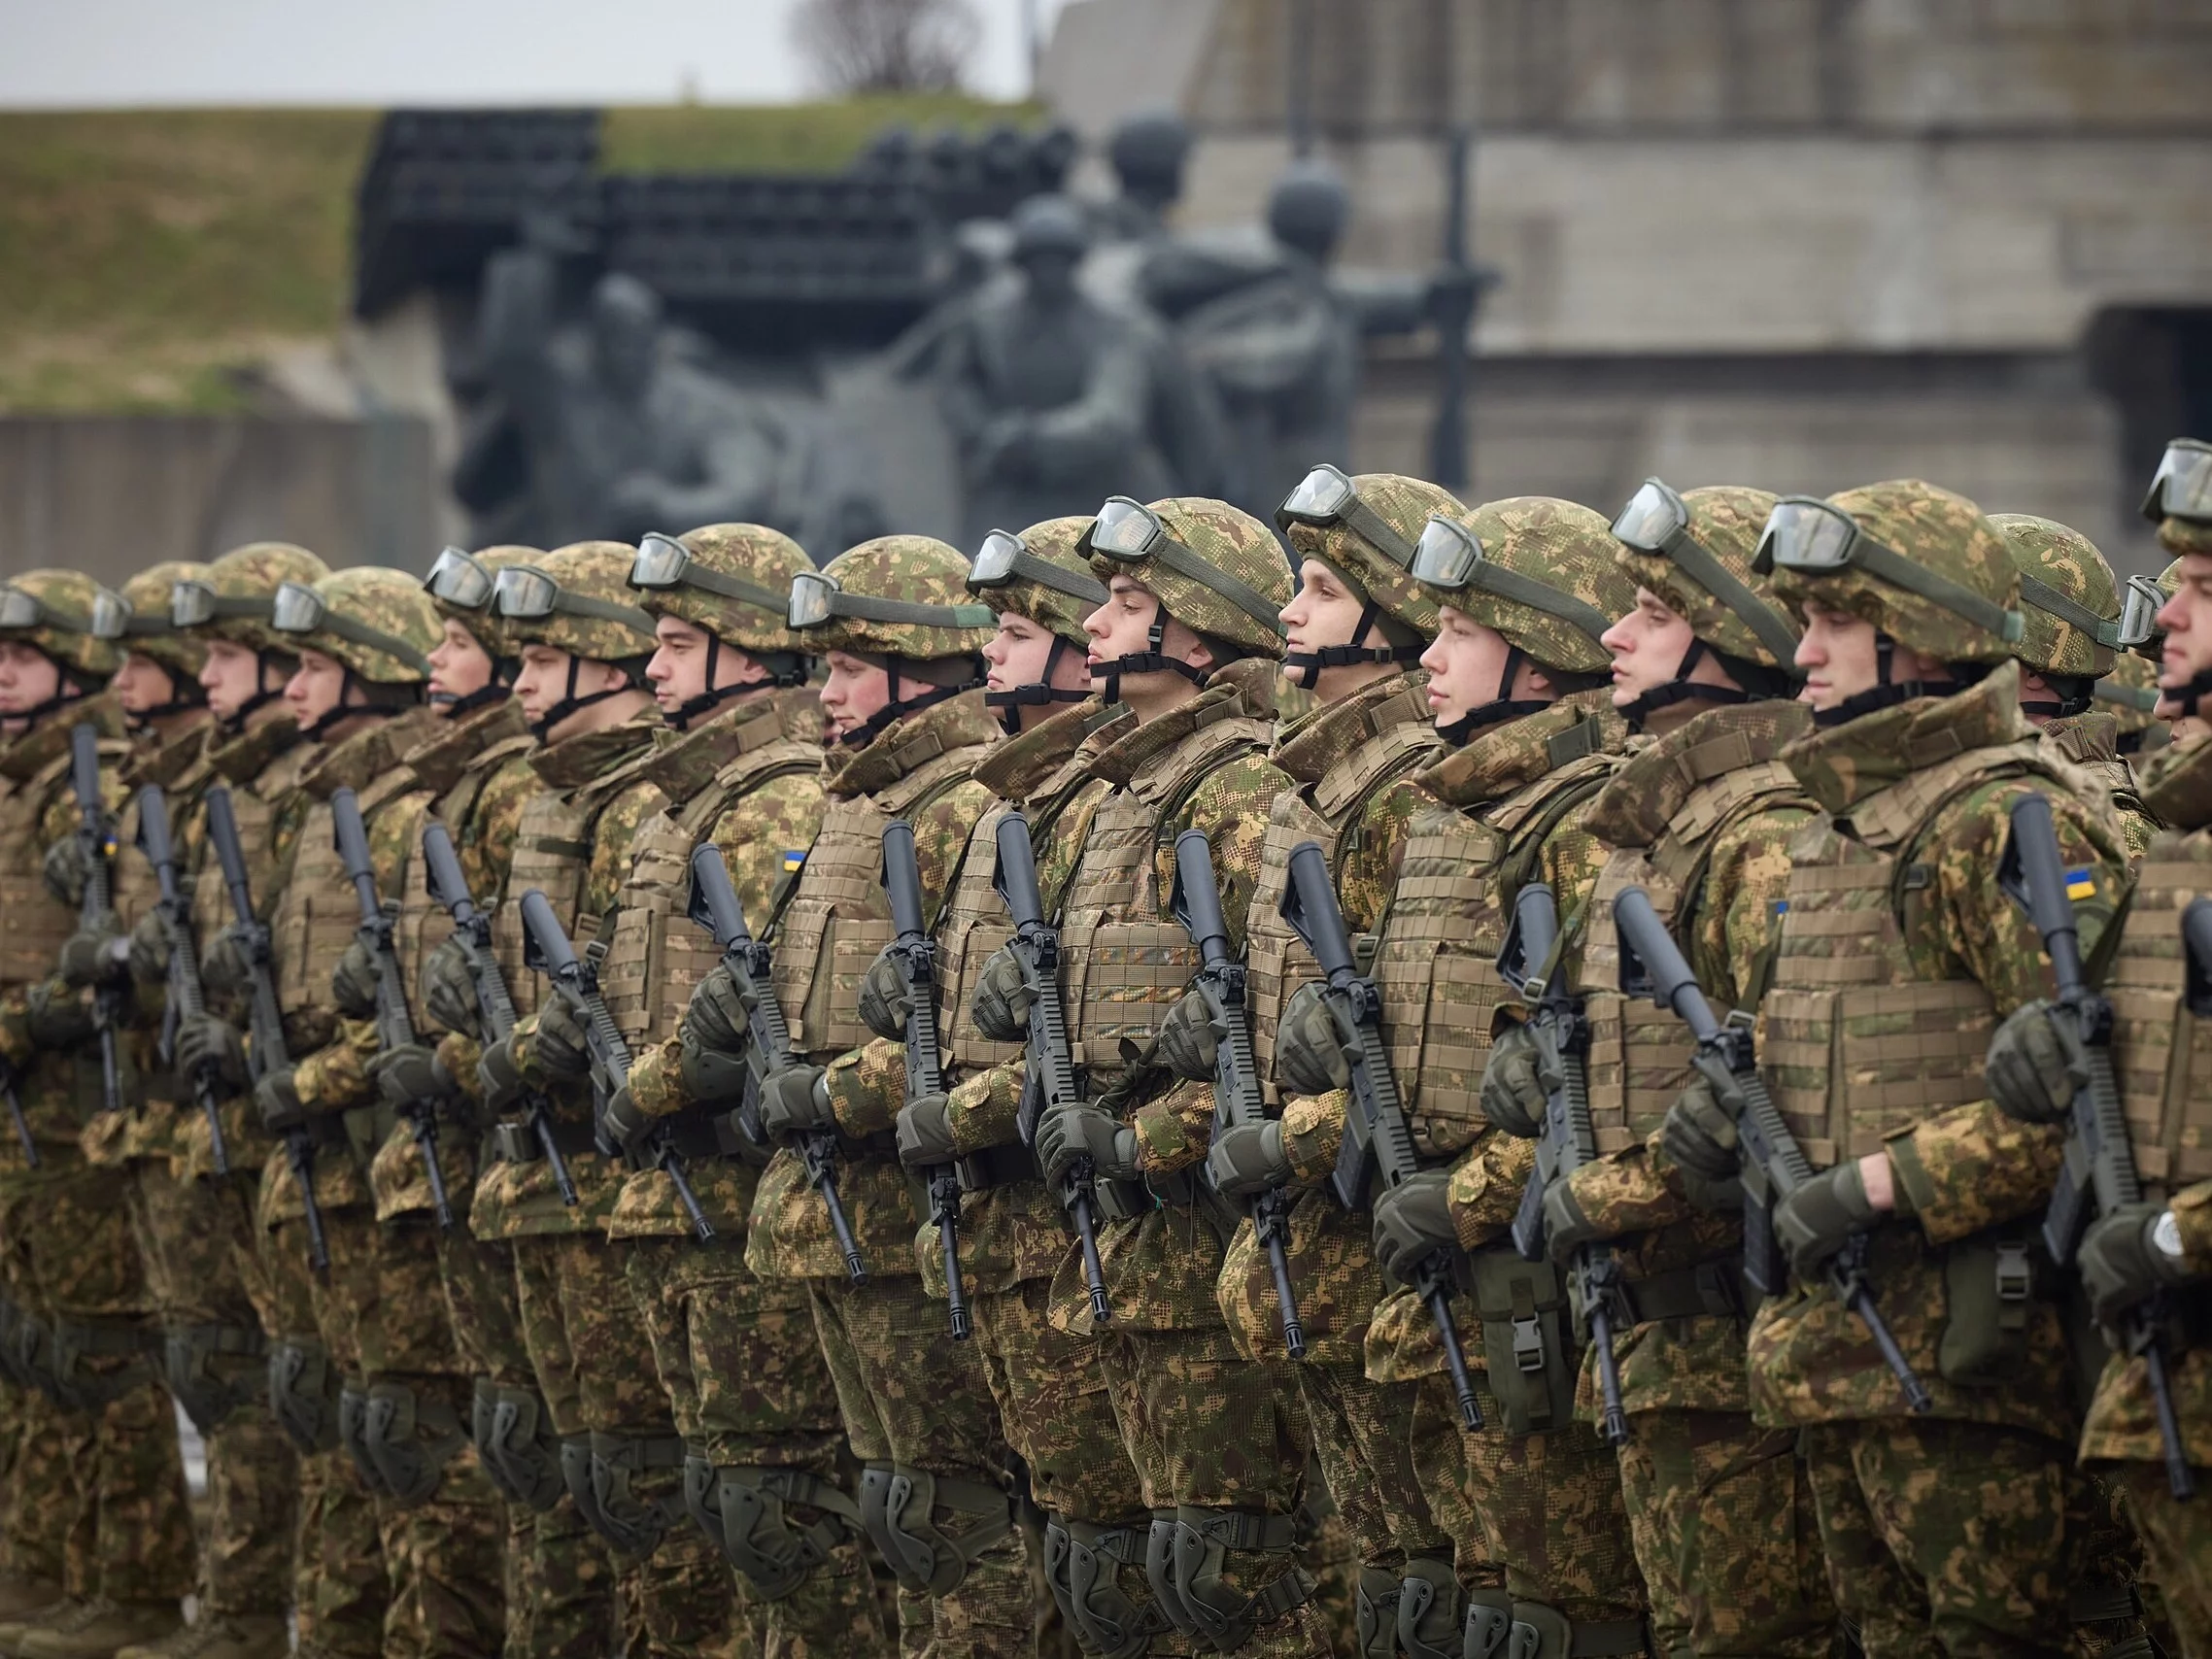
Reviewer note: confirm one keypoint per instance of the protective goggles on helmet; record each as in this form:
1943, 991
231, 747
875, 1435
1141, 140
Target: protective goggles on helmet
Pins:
2035, 592
523, 592
816, 597
2182, 486
2139, 606
1006, 557
1815, 538
664, 562
300, 609
195, 604
1132, 533
1326, 497
21, 609
459, 579
1656, 522
111, 616
1452, 557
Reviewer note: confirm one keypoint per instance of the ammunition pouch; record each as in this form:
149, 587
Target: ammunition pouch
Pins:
1523, 1310
518, 1142
207, 1390
303, 1395
1710, 1289
1540, 1632
24, 1345
1489, 1623
1122, 1200
900, 1509
1205, 1539
1988, 1283
74, 1384
353, 1433
996, 1167
632, 1524
514, 1441
746, 1512
410, 1441
1160, 1574
1429, 1621
1082, 1565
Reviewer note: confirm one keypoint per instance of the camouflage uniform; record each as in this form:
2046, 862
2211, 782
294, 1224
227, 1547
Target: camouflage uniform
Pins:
99, 1469
1897, 955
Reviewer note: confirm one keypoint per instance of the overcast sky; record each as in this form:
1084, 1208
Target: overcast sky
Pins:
104, 52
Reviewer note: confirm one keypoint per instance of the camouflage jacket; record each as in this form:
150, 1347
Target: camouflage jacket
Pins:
2092, 742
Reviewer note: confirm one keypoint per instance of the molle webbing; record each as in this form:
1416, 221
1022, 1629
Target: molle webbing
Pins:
552, 853
976, 925
38, 924
2163, 1052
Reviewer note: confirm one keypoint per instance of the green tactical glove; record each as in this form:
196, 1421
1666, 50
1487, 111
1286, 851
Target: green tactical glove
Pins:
796, 1099
1566, 1228
719, 1016
2036, 1063
66, 869
1249, 1158
1413, 1222
277, 1098
501, 1075
410, 1074
1699, 1132
226, 972
150, 949
1002, 998
2129, 1256
1823, 1217
1513, 1095
1310, 1052
214, 1045
88, 955
710, 1075
449, 988
925, 1131
56, 1018
353, 981
886, 1003
563, 1050
1190, 1036
1085, 1132
626, 1125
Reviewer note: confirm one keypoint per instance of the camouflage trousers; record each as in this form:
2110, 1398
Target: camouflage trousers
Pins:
191, 1234
1944, 1537
2177, 1550
750, 1391
1722, 1516
918, 1414
594, 1365
30, 1477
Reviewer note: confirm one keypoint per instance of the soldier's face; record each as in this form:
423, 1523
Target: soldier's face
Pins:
1467, 669
142, 685
856, 692
1840, 655
678, 670
28, 677
1122, 626
1325, 611
546, 681
315, 689
2187, 619
231, 677
1016, 656
460, 667
1648, 646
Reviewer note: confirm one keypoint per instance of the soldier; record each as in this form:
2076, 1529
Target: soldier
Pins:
1897, 955
98, 1468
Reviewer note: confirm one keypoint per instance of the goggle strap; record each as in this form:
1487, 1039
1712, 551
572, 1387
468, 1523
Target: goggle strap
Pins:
375, 639
1901, 572
1501, 583
1718, 580
1045, 574
2034, 590
696, 575
868, 608
1250, 600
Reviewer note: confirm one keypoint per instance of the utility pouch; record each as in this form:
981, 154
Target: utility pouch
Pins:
1524, 1307
1989, 1282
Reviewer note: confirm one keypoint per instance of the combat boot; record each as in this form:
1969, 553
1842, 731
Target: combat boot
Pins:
23, 1600
97, 1628
14, 1629
240, 1635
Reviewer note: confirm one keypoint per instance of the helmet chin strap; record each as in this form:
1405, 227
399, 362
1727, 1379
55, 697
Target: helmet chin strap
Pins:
185, 696
1502, 708
898, 708
1303, 667
571, 703
68, 691
2077, 695
1683, 688
2186, 697
1885, 691
263, 695
784, 671
1152, 660
1040, 692
497, 689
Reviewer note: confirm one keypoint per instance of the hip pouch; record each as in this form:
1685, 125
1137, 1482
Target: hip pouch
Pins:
1990, 1283
1524, 1311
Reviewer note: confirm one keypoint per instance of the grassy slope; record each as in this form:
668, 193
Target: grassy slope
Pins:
142, 253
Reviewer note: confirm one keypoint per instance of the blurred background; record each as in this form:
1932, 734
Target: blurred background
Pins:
376, 277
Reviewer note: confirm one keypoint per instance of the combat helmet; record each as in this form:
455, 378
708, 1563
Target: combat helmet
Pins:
459, 584
2070, 608
1693, 549
1366, 529
1039, 575
1210, 566
2130, 693
1918, 561
577, 599
733, 581
900, 602
138, 619
2179, 501
1540, 571
231, 602
377, 625
51, 611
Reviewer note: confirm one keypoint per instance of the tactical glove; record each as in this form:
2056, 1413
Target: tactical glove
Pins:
67, 868
710, 1076
886, 1003
2129, 1256
925, 1133
1190, 1037
410, 1075
449, 988
56, 1018
625, 1125
1085, 1132
1002, 998
563, 1050
1413, 1222
1310, 1052
719, 1017
226, 971
796, 1099
277, 1098
1566, 1228
213, 1044
1514, 1096
501, 1075
2036, 1063
1823, 1217
1699, 1132
88, 955
149, 950
353, 981
1249, 1158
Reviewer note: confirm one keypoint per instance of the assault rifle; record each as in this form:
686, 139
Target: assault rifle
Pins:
1309, 907
96, 830
186, 999
917, 960
1048, 1083
395, 1027
2100, 1164
575, 980
472, 928
1568, 1140
1236, 1100
715, 904
1774, 1165
265, 1021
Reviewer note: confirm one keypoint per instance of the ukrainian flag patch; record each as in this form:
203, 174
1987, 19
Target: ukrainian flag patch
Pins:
2080, 884
794, 861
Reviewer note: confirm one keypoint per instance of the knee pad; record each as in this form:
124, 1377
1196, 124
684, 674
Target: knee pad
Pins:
577, 1480
1426, 1616
410, 1441
1160, 1572
901, 1507
24, 1346
1083, 1563
1375, 1613
1541, 1632
1204, 1542
209, 1393
353, 1433
632, 1524
303, 1395
1489, 1622
514, 1440
746, 1511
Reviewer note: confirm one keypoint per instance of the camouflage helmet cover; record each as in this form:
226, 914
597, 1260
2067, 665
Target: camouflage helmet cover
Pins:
756, 565
594, 575
482, 622
150, 631
1724, 520
377, 622
1564, 547
253, 573
1405, 505
1229, 543
62, 628
1940, 533
1051, 542
2130, 692
908, 571
2069, 602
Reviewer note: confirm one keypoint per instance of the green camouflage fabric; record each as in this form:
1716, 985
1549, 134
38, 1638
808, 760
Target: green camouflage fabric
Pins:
340, 1591
593, 570
1229, 540
1942, 532
1405, 505
254, 572
150, 633
2068, 562
1563, 546
1726, 521
2185, 535
1054, 543
63, 631
753, 554
2090, 743
916, 571
2177, 1557
378, 622
2130, 693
